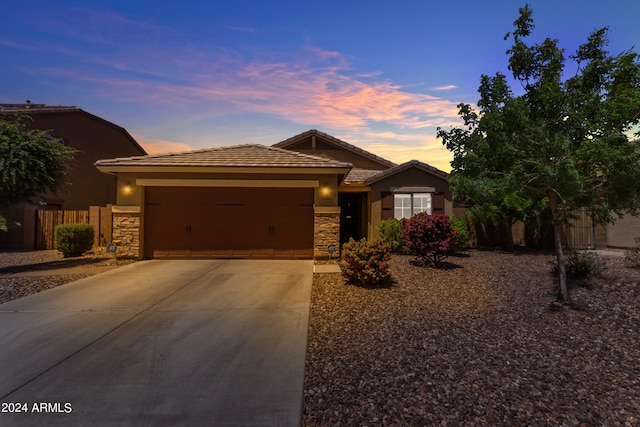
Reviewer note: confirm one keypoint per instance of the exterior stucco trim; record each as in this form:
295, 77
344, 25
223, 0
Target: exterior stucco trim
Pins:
125, 209
260, 183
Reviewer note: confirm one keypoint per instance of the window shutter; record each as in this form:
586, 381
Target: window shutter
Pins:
387, 204
437, 206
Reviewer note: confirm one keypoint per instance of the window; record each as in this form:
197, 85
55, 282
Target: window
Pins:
401, 206
421, 203
59, 141
407, 205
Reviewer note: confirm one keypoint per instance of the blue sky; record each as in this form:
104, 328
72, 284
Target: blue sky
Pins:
382, 75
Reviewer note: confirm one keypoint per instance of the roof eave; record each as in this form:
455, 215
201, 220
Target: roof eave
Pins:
404, 166
326, 170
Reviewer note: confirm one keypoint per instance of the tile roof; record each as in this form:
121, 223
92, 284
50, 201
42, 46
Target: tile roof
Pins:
247, 155
335, 141
360, 175
410, 164
34, 108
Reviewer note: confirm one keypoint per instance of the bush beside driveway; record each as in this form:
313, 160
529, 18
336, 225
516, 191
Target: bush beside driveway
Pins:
479, 343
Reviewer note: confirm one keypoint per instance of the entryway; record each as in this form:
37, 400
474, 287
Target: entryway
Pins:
352, 215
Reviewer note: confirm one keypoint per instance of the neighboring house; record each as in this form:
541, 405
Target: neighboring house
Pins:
295, 199
624, 232
94, 138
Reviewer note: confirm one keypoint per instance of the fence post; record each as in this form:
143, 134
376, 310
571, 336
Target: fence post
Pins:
106, 223
94, 220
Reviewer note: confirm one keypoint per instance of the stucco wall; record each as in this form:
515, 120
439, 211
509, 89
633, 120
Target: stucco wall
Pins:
94, 139
358, 160
409, 178
623, 232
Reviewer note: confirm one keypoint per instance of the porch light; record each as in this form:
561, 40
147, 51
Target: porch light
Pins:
325, 191
127, 189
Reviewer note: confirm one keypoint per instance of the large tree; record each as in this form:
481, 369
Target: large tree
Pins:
31, 162
563, 141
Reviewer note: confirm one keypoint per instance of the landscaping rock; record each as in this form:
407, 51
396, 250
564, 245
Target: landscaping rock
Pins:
478, 343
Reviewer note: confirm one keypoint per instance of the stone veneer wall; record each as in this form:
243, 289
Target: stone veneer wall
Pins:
326, 231
126, 234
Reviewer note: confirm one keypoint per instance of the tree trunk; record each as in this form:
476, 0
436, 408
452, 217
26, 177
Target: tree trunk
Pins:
563, 290
512, 246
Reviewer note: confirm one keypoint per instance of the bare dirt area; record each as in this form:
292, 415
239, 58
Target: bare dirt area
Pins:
479, 343
26, 272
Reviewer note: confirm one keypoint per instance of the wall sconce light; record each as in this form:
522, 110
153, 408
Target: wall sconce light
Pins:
325, 191
127, 189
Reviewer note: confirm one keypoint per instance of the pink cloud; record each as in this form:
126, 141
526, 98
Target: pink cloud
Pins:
327, 96
319, 90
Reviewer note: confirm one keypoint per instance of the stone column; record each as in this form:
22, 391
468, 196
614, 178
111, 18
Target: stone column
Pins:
326, 231
126, 232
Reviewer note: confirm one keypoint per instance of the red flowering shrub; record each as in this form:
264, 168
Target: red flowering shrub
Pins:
428, 237
365, 263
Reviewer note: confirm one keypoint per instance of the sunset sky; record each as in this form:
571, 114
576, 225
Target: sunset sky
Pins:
382, 75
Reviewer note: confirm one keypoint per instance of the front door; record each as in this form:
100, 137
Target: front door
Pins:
351, 215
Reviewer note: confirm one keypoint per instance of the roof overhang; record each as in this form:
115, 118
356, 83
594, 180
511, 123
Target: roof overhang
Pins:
405, 166
114, 169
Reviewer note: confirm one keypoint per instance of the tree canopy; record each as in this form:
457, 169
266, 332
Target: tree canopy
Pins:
31, 161
563, 141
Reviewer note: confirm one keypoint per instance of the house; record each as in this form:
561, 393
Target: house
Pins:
624, 232
94, 138
299, 198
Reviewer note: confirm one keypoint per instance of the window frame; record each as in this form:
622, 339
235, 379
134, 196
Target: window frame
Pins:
400, 209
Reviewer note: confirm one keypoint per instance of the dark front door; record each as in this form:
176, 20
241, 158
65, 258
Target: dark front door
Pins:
351, 215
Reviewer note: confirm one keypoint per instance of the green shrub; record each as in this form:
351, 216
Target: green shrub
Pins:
365, 263
428, 237
579, 265
632, 255
390, 231
73, 239
459, 242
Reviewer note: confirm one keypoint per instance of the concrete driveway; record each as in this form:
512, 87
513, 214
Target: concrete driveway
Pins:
180, 342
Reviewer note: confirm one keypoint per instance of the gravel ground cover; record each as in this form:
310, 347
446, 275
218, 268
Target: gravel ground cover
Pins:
26, 272
480, 343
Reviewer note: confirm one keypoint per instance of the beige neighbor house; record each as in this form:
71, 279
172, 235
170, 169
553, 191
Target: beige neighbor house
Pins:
300, 198
624, 232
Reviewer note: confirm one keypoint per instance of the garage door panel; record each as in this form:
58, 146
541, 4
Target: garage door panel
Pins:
228, 222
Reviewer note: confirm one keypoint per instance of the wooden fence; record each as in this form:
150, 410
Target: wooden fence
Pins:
47, 220
580, 232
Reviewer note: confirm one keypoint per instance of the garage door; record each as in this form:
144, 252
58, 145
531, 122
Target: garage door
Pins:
228, 222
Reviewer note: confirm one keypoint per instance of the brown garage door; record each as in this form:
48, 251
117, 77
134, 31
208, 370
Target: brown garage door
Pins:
228, 222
